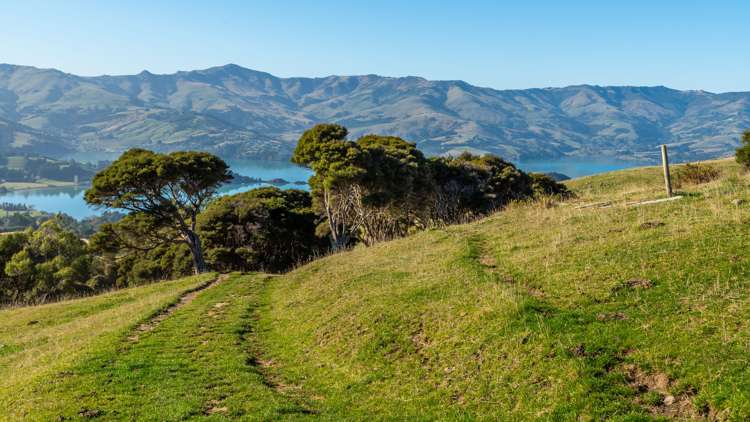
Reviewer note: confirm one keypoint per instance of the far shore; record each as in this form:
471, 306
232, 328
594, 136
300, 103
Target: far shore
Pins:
47, 184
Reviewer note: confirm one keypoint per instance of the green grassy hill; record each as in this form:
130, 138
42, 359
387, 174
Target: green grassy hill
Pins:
546, 311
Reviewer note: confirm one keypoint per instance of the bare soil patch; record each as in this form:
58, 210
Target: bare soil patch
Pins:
488, 261
611, 316
658, 384
634, 284
215, 407
651, 225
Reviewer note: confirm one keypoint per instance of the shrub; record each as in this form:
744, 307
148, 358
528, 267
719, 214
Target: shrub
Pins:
544, 185
43, 264
125, 256
695, 174
470, 185
266, 229
743, 152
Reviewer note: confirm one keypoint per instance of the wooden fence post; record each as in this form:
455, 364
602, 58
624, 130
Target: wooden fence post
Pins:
665, 166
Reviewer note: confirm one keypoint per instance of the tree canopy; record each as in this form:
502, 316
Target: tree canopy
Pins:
265, 229
167, 191
41, 264
369, 190
381, 187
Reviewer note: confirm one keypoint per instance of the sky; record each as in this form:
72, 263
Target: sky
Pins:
504, 45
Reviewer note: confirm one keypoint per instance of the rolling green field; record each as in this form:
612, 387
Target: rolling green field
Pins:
545, 311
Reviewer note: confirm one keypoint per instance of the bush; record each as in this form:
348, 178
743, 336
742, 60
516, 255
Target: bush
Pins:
477, 184
743, 153
266, 229
469, 186
695, 174
43, 264
544, 185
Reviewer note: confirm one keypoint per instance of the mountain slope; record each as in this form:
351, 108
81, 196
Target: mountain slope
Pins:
241, 112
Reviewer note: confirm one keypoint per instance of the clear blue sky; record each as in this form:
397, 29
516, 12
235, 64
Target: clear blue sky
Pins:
682, 44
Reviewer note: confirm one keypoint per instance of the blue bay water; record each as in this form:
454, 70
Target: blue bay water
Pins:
70, 200
574, 167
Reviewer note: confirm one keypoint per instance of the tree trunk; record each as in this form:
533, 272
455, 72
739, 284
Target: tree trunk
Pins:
194, 243
339, 238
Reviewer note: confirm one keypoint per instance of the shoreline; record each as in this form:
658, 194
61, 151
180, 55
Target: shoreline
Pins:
34, 188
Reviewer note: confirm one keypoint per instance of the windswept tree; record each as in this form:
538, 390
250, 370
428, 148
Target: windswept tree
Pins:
392, 192
469, 185
337, 164
164, 193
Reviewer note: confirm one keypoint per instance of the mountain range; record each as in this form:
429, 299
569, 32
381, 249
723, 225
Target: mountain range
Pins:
242, 113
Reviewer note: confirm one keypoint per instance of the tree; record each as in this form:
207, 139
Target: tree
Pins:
337, 164
391, 193
165, 191
743, 152
382, 187
470, 185
371, 189
132, 251
265, 229
48, 262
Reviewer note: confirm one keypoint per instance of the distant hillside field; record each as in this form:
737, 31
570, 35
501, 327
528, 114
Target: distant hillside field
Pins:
597, 308
243, 113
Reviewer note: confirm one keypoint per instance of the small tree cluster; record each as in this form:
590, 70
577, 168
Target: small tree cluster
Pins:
468, 186
381, 187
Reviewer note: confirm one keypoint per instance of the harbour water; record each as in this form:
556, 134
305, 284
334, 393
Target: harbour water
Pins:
69, 200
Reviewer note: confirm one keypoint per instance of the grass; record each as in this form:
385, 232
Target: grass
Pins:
39, 342
545, 311
201, 361
534, 313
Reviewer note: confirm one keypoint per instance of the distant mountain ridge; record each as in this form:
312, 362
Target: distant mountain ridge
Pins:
237, 112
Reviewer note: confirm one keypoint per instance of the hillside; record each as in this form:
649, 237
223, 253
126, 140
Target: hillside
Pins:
543, 311
238, 112
40, 343
537, 312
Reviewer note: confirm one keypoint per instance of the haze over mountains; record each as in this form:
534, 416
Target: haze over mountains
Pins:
237, 112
